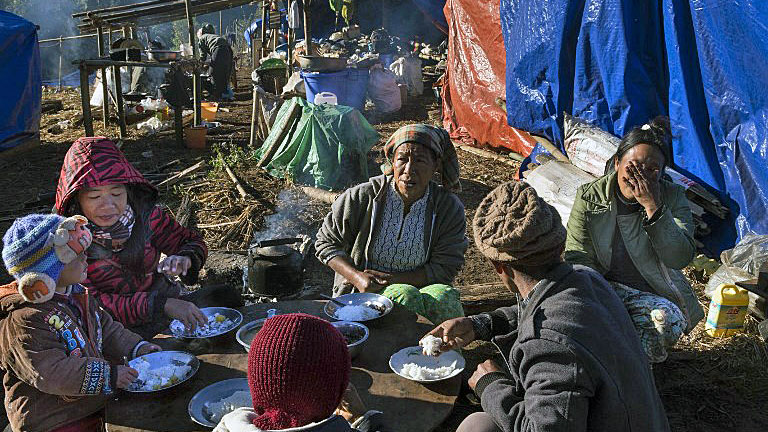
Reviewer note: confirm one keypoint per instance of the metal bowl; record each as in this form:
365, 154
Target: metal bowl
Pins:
360, 299
164, 358
163, 55
356, 347
198, 411
247, 332
322, 64
231, 314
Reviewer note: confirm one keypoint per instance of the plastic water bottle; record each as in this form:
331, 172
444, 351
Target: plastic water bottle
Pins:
326, 98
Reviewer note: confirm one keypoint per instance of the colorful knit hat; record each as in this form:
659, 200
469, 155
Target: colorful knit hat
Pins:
37, 246
298, 371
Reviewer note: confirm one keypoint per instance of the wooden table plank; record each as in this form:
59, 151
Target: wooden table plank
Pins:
408, 405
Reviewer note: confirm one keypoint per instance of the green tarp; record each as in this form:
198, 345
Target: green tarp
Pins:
327, 148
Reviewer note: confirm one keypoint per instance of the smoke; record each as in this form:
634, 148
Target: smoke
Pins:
295, 214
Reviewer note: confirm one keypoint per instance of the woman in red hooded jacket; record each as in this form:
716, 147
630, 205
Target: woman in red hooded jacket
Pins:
129, 234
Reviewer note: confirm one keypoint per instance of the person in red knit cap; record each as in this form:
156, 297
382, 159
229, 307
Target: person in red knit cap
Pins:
298, 373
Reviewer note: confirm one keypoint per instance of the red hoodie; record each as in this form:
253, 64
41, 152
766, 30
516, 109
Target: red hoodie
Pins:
133, 298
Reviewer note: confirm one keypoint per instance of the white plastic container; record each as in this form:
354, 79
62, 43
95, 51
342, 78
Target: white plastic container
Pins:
326, 98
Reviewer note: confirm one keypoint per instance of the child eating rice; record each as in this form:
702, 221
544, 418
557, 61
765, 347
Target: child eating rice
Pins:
61, 354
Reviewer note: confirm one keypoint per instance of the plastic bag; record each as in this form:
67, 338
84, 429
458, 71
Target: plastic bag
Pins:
150, 104
557, 183
408, 72
97, 97
742, 263
588, 146
153, 125
295, 85
383, 90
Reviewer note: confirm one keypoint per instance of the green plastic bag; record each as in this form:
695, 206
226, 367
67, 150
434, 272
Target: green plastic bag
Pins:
328, 148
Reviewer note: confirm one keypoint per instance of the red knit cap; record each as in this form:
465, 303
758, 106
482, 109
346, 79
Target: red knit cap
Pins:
298, 370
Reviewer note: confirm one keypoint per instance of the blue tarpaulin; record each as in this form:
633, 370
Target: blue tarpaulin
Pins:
619, 63
21, 91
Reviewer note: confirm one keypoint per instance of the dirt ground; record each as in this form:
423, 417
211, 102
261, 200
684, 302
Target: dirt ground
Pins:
706, 385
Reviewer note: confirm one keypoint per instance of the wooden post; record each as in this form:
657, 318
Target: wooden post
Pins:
61, 54
308, 28
196, 84
221, 25
289, 57
253, 118
178, 124
264, 6
104, 86
85, 100
119, 102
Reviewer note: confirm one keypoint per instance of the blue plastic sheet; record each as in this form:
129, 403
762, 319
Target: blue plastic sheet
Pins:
21, 91
619, 63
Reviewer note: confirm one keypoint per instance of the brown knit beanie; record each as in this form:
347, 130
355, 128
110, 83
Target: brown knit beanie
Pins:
513, 225
298, 371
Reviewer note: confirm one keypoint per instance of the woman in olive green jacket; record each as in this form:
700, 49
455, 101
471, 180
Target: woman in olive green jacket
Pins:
637, 230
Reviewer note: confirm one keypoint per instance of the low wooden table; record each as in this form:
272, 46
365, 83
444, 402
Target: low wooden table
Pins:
407, 405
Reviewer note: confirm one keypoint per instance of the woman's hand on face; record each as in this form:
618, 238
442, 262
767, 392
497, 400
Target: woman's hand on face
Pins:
174, 265
186, 312
646, 191
455, 333
366, 282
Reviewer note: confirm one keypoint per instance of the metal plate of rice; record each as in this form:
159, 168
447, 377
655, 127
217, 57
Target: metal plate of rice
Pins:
181, 362
377, 304
199, 405
232, 317
451, 363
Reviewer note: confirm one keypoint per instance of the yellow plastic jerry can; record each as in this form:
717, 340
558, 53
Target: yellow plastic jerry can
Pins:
727, 311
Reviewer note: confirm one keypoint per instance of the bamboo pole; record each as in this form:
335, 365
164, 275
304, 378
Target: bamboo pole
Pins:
196, 84
104, 86
119, 104
308, 28
253, 118
238, 185
85, 100
61, 55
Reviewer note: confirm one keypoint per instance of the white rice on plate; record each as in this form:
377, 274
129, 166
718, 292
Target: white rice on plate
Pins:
356, 313
424, 373
222, 407
158, 378
217, 323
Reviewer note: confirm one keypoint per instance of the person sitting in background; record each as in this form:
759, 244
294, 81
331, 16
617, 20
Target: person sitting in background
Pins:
61, 355
216, 52
572, 359
298, 374
130, 232
636, 229
402, 234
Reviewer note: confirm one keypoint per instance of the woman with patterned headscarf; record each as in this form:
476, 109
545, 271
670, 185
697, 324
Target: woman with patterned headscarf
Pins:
401, 234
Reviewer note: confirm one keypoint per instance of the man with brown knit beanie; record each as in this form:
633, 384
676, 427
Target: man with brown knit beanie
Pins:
298, 374
573, 361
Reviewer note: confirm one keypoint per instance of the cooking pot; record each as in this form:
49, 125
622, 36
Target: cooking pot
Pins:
163, 56
275, 269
